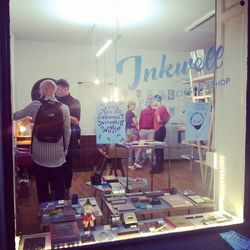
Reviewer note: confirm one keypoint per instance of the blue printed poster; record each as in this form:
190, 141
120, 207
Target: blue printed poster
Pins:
197, 121
110, 123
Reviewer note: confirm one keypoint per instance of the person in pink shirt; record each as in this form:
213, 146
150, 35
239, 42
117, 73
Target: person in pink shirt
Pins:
161, 118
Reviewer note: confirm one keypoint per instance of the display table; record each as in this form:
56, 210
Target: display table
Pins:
146, 145
143, 229
134, 185
151, 203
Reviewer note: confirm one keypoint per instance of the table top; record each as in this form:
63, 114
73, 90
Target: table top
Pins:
134, 184
142, 204
148, 144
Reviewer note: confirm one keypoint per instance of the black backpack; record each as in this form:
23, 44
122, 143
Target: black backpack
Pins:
48, 126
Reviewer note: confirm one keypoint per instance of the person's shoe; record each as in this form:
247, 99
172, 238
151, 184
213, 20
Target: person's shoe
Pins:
155, 171
131, 167
137, 165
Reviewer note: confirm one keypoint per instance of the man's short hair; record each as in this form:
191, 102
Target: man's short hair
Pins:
46, 86
63, 83
157, 98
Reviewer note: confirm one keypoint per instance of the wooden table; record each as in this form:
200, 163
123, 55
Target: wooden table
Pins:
152, 145
163, 207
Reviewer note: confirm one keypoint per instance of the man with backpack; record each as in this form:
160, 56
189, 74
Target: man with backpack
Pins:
50, 140
63, 95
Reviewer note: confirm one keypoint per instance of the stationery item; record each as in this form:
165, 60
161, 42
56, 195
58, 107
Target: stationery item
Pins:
215, 218
124, 207
74, 199
69, 212
106, 187
115, 220
129, 219
236, 240
117, 189
187, 192
115, 202
140, 205
110, 178
115, 198
87, 237
124, 233
176, 200
64, 232
153, 193
134, 184
155, 201
34, 243
140, 198
103, 235
178, 221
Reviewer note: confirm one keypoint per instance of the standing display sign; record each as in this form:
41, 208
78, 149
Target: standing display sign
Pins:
110, 123
197, 121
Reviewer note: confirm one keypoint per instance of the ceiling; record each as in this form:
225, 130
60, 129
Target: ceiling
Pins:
144, 24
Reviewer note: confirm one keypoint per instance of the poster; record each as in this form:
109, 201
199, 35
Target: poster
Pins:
110, 123
197, 121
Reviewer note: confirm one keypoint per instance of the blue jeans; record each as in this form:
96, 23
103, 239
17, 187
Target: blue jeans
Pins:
159, 153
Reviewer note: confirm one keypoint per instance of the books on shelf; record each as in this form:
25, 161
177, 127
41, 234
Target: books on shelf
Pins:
175, 200
64, 232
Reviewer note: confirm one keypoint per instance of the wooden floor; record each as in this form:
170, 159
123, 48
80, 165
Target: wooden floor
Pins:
181, 178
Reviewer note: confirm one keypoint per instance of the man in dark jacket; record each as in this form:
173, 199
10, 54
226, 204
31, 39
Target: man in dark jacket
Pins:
63, 95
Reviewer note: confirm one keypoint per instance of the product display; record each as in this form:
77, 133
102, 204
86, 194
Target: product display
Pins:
124, 207
176, 200
64, 232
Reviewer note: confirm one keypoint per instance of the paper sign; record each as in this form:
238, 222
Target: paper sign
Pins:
197, 121
237, 241
110, 123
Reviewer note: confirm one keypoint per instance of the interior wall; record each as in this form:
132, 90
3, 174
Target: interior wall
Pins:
35, 60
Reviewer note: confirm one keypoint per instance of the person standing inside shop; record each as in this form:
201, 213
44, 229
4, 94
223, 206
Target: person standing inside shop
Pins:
146, 130
63, 95
48, 157
161, 118
132, 133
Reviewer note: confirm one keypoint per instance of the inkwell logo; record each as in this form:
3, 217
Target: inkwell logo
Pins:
197, 120
211, 61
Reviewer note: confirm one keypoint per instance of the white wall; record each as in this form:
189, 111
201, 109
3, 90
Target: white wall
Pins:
36, 60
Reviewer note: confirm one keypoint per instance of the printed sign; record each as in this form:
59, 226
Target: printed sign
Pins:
110, 123
197, 121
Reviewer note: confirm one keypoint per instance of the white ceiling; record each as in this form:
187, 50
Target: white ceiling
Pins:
163, 26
